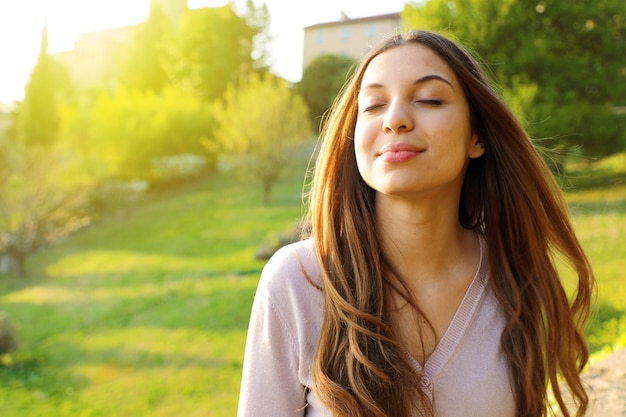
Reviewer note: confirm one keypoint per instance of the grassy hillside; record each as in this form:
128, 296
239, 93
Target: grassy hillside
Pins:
597, 199
145, 314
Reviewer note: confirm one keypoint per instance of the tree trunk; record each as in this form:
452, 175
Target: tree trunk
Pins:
267, 191
16, 261
20, 266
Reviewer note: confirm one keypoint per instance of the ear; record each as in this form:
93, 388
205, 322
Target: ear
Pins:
476, 147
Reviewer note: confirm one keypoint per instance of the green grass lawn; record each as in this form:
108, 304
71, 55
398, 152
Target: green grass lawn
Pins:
597, 198
145, 314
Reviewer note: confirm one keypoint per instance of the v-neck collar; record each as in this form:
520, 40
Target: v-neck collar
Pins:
459, 323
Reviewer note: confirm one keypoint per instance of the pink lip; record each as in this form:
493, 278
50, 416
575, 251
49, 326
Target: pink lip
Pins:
399, 152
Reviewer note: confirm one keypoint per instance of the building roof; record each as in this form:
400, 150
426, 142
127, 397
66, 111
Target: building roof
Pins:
345, 19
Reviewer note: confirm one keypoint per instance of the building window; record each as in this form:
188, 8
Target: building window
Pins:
345, 33
319, 36
371, 30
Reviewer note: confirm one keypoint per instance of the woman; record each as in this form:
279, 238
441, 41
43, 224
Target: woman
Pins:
429, 285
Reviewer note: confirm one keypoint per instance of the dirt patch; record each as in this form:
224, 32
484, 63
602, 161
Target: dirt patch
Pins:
607, 382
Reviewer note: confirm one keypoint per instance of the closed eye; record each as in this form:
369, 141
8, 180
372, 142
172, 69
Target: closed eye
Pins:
372, 108
430, 102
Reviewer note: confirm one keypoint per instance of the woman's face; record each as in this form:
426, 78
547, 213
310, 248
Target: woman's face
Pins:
413, 134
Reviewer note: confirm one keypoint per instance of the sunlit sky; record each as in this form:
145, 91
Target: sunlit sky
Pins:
22, 21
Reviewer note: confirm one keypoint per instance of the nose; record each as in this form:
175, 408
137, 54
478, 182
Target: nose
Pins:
398, 118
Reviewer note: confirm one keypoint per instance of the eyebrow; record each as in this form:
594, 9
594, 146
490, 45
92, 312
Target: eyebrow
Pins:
421, 80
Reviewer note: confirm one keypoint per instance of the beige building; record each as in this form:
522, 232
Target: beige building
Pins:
93, 61
349, 37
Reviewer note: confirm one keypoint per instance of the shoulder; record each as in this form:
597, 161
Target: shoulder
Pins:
289, 291
291, 277
293, 260
282, 336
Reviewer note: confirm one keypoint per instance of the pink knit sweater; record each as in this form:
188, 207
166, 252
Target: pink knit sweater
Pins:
467, 374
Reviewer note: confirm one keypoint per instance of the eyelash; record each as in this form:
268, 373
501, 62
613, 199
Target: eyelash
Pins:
431, 102
372, 108
428, 102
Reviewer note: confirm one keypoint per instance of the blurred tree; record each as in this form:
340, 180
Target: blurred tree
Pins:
35, 208
211, 49
566, 57
121, 135
322, 80
262, 121
142, 61
37, 119
258, 18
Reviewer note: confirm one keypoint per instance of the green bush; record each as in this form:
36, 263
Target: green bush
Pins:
122, 135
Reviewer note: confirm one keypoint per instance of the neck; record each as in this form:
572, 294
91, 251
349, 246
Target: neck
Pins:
423, 240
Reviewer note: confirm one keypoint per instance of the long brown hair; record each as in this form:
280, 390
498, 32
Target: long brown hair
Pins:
510, 197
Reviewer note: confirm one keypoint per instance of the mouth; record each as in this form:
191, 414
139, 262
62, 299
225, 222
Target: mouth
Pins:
400, 148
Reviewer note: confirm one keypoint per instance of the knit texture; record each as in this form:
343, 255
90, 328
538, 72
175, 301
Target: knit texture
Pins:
465, 376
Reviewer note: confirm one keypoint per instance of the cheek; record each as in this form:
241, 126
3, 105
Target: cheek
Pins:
364, 136
359, 141
361, 153
359, 130
458, 133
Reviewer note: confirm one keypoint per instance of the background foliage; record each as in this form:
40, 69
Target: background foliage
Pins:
321, 82
212, 49
142, 63
568, 58
267, 139
36, 121
150, 123
122, 132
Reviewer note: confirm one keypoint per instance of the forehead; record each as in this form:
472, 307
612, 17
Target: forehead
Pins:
406, 63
